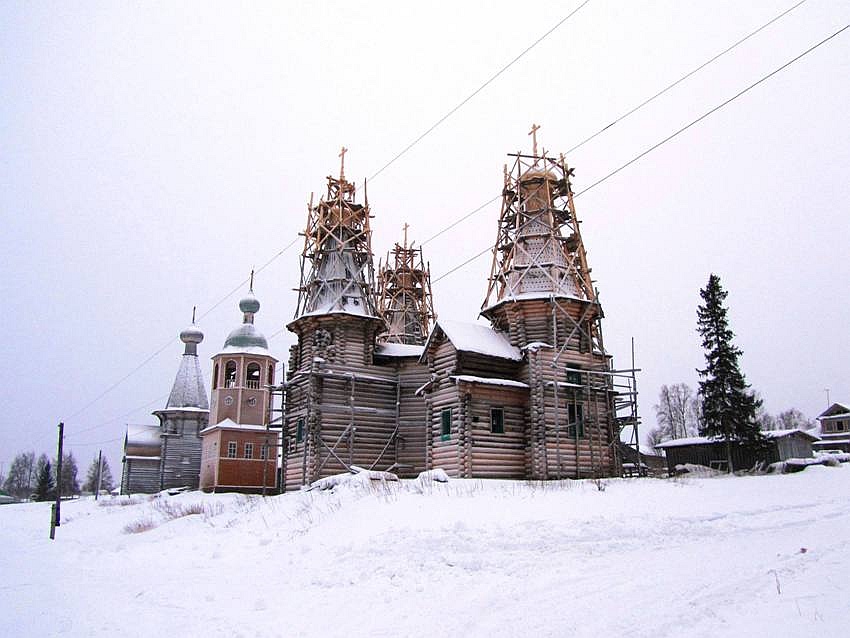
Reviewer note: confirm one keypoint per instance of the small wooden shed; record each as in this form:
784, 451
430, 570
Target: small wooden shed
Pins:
779, 445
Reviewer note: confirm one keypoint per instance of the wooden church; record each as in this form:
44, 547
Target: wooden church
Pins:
374, 382
168, 455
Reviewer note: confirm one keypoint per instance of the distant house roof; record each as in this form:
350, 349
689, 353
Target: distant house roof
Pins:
778, 434
835, 411
473, 337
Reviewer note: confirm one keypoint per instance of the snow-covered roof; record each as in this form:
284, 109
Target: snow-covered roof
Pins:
131, 457
399, 350
835, 411
255, 350
691, 440
146, 435
188, 390
705, 440
473, 337
536, 345
229, 424
183, 409
468, 378
778, 434
529, 296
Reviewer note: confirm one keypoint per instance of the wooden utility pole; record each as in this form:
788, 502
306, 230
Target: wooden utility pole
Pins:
56, 512
100, 469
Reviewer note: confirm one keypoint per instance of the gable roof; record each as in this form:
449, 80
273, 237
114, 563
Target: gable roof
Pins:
836, 410
473, 337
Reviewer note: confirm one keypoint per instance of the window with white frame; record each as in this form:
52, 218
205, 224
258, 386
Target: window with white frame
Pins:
249, 450
231, 449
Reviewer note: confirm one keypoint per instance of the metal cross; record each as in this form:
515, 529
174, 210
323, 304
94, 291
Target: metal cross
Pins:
533, 133
342, 163
251, 281
406, 226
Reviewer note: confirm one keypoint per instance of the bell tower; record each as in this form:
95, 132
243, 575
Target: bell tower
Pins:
243, 371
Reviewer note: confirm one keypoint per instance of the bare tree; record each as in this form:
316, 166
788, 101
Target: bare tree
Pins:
793, 419
676, 411
21, 478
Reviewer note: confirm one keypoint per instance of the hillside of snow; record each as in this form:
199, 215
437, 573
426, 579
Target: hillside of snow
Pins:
722, 556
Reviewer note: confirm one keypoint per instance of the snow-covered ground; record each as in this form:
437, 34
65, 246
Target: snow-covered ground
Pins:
766, 555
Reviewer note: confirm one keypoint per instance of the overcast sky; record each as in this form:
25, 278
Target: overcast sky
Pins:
151, 154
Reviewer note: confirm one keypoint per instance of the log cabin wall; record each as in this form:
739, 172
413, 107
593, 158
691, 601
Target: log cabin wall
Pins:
495, 454
354, 408
579, 430
412, 451
571, 423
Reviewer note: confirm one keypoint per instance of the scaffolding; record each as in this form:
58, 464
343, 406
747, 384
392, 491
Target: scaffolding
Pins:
405, 300
539, 252
337, 274
540, 292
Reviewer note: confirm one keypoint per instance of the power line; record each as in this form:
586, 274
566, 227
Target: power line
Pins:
173, 339
714, 110
683, 78
629, 112
479, 89
671, 136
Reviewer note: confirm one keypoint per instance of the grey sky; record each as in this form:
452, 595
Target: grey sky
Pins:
151, 155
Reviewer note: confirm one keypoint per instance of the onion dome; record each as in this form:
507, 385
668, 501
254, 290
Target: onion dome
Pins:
247, 336
249, 304
192, 335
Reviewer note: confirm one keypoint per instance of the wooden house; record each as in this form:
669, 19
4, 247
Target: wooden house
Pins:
169, 455
239, 451
834, 428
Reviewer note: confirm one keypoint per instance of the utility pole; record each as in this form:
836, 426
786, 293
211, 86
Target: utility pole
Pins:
56, 507
99, 473
827, 397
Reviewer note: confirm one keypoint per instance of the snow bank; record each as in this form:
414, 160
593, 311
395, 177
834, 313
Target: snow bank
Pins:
360, 477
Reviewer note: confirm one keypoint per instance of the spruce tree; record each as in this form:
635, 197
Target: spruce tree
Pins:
44, 485
106, 480
728, 408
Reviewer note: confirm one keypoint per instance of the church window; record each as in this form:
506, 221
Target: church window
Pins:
231, 449
252, 376
497, 420
215, 376
264, 452
271, 375
230, 374
574, 376
249, 450
575, 418
299, 431
446, 424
